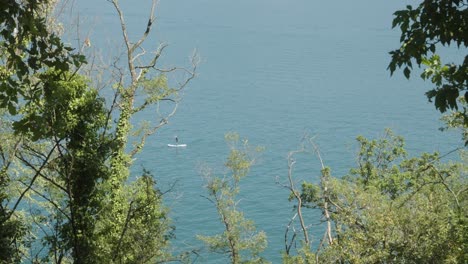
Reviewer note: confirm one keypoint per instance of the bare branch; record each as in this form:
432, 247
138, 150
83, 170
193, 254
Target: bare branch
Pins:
151, 20
30, 165
128, 45
324, 183
131, 48
142, 53
153, 62
171, 188
297, 194
288, 247
195, 60
48, 200
31, 183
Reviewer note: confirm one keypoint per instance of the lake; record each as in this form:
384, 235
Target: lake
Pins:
271, 71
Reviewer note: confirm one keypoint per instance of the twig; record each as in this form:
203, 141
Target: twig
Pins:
297, 195
325, 193
30, 184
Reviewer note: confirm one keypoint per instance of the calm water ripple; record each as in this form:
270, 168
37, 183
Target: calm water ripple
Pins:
272, 71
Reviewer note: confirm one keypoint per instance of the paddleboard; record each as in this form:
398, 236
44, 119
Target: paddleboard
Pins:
177, 145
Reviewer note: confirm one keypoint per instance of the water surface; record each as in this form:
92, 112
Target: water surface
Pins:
272, 71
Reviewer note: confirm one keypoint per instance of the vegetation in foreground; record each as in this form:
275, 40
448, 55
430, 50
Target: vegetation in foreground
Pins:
66, 194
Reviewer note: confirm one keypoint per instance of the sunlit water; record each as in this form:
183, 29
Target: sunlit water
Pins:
272, 71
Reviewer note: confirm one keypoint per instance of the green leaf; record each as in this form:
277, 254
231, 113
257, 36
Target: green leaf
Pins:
452, 96
395, 22
11, 109
440, 102
407, 72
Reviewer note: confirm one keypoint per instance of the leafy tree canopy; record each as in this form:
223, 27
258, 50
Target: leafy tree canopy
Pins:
62, 155
394, 209
425, 29
27, 46
240, 239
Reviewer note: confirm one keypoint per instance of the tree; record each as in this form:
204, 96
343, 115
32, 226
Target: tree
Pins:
309, 194
240, 240
394, 209
27, 47
424, 29
150, 81
13, 229
74, 164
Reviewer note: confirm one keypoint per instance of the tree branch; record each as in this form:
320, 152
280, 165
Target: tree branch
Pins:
297, 195
48, 200
324, 182
31, 183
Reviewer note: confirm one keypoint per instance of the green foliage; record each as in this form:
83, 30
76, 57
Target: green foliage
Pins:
310, 194
64, 102
456, 120
12, 232
394, 209
304, 256
13, 229
95, 212
154, 89
423, 29
240, 240
146, 232
88, 214
64, 159
28, 47
66, 122
376, 160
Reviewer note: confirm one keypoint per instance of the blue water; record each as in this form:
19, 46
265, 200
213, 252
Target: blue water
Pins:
272, 71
